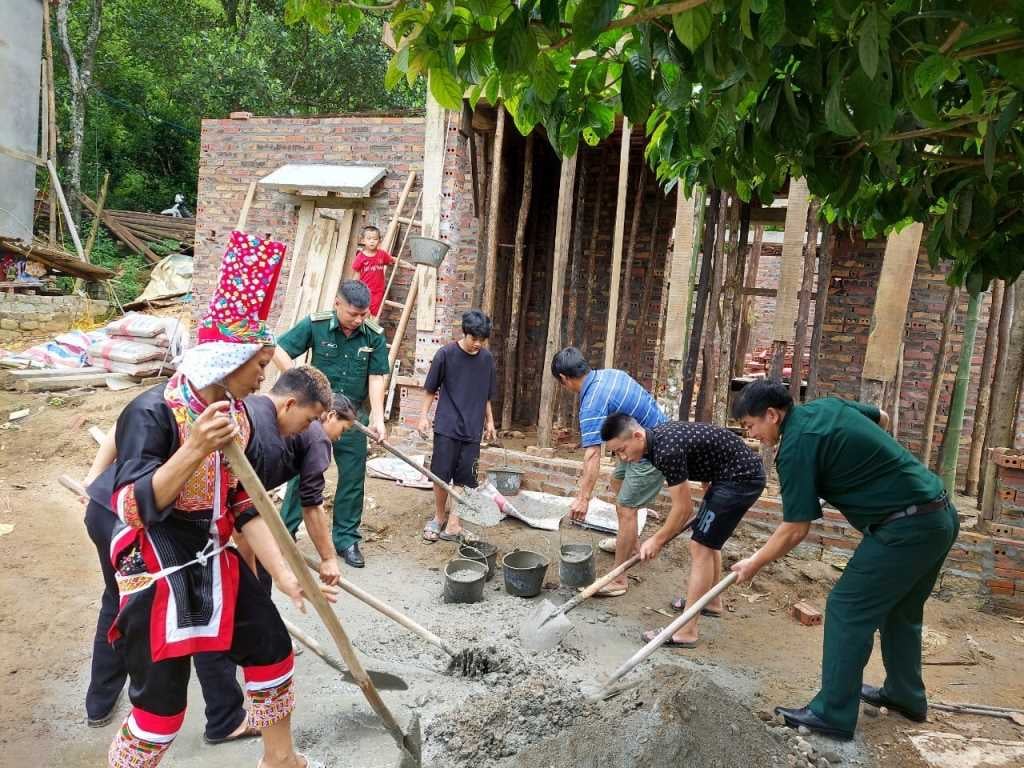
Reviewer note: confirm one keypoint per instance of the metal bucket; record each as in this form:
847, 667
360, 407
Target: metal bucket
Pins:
480, 552
524, 572
506, 480
576, 565
464, 581
426, 250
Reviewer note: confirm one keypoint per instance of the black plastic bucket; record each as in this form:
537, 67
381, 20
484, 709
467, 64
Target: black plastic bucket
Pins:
464, 581
482, 552
524, 572
576, 565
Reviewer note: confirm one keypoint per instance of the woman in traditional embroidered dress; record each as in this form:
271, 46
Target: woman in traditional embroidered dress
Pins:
183, 589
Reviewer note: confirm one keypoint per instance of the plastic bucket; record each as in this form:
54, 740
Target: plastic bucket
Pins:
576, 565
524, 572
464, 581
427, 250
506, 480
480, 552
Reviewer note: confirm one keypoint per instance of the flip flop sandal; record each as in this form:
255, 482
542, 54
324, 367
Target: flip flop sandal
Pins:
607, 545
670, 643
458, 537
679, 605
249, 732
432, 532
310, 763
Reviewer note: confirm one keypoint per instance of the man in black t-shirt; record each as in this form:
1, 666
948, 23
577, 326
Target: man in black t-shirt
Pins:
462, 377
733, 477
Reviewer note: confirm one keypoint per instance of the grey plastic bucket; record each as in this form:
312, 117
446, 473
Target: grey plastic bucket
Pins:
524, 572
464, 581
506, 480
480, 552
427, 250
576, 565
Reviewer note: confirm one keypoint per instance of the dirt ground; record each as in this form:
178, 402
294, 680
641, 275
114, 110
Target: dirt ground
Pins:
756, 657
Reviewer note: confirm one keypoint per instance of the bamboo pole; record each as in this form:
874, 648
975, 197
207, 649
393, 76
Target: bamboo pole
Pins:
617, 238
700, 312
1003, 336
51, 103
820, 307
954, 427
72, 229
938, 372
804, 305
512, 342
91, 241
985, 380
494, 210
706, 396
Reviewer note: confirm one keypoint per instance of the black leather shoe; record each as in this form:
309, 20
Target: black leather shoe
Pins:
353, 556
803, 716
873, 695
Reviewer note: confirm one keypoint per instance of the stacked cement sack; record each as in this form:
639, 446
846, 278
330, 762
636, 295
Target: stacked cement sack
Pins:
138, 345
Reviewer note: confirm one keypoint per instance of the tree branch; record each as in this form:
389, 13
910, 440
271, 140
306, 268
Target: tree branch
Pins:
955, 35
653, 12
985, 50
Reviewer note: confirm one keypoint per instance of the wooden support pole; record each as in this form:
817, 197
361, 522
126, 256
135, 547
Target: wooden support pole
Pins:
617, 238
567, 414
894, 412
787, 296
712, 340
820, 307
889, 318
1003, 339
730, 290
563, 234
804, 304
747, 301
91, 241
51, 123
634, 225
44, 112
640, 334
938, 374
493, 213
703, 289
691, 286
119, 231
677, 290
595, 230
72, 229
958, 403
985, 379
736, 359
512, 342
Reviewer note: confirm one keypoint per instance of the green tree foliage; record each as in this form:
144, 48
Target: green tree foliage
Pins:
162, 67
893, 111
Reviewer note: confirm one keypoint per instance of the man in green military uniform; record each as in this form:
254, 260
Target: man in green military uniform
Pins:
351, 351
838, 451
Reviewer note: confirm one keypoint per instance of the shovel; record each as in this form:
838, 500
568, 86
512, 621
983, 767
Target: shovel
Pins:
547, 625
383, 680
608, 687
471, 510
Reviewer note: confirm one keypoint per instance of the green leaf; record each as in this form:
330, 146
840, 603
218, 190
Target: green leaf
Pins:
964, 204
514, 46
975, 85
445, 88
867, 45
637, 90
394, 74
692, 27
933, 71
989, 154
745, 19
1011, 64
591, 19
758, 6
1008, 116
836, 117
549, 13
491, 88
771, 24
545, 79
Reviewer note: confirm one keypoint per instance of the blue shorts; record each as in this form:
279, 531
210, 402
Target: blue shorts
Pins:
723, 506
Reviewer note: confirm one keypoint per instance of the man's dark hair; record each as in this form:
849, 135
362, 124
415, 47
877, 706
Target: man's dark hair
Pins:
306, 384
618, 425
758, 396
355, 293
371, 228
569, 363
343, 407
476, 324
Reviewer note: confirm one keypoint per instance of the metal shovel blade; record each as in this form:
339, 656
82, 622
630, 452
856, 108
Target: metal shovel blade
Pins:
478, 509
544, 628
412, 745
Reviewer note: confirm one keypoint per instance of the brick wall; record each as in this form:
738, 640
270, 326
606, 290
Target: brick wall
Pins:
235, 153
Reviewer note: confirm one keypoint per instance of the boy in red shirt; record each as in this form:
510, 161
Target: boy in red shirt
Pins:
370, 264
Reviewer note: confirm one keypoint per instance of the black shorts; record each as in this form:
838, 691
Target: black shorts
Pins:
455, 461
723, 506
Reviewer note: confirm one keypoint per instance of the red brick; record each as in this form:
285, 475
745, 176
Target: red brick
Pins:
806, 614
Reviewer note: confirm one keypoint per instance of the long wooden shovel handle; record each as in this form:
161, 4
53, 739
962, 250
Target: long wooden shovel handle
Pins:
387, 610
418, 467
314, 646
609, 577
243, 470
671, 629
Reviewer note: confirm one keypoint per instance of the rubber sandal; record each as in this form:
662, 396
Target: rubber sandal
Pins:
679, 605
432, 532
459, 537
249, 732
607, 545
670, 643
309, 762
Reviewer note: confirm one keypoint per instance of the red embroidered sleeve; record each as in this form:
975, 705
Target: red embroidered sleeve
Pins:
126, 507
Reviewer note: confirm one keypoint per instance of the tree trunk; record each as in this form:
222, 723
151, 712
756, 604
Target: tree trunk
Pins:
955, 425
80, 80
512, 342
627, 282
703, 288
796, 376
820, 307
1003, 338
706, 396
984, 389
948, 316
726, 315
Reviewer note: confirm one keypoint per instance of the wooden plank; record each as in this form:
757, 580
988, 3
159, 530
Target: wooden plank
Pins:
493, 212
50, 373
820, 307
938, 373
617, 242
300, 253
403, 320
44, 111
391, 234
622, 303
17, 154
91, 241
51, 123
336, 261
804, 302
243, 214
426, 299
563, 235
784, 324
434, 146
891, 300
119, 232
677, 276
342, 180
72, 229
57, 383
712, 334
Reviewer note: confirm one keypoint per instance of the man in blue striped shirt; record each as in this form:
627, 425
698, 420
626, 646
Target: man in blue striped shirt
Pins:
602, 393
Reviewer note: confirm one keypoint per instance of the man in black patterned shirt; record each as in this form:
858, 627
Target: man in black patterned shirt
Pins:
733, 477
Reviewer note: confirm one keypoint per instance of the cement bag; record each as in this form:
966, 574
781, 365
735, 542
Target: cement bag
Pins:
136, 324
121, 351
149, 368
